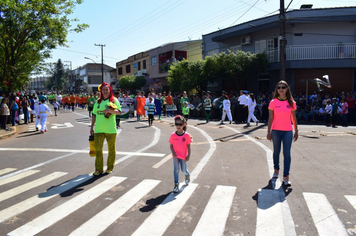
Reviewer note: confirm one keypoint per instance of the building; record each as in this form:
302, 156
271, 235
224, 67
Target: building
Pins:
38, 83
89, 77
155, 63
319, 42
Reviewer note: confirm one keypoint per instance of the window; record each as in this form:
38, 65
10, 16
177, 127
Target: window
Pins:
120, 70
234, 49
128, 68
212, 52
260, 46
153, 61
144, 64
139, 65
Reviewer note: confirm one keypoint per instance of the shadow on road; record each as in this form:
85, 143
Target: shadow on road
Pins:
152, 203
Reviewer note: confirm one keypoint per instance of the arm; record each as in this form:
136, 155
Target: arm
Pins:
294, 120
172, 150
270, 120
93, 119
189, 151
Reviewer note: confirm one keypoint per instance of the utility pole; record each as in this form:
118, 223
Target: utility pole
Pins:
102, 61
282, 40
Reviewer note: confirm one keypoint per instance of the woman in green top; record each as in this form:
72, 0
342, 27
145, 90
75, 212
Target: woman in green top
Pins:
104, 119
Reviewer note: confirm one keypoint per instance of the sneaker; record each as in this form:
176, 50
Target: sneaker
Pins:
36, 128
230, 122
257, 122
276, 173
97, 172
45, 130
176, 188
286, 181
108, 171
187, 179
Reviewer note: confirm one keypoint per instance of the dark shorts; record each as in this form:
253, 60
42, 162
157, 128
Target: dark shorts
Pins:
90, 108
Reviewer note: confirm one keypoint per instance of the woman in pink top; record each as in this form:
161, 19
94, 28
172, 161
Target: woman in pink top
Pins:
180, 142
281, 116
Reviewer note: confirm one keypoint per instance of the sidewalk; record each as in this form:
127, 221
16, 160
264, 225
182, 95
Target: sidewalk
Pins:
8, 133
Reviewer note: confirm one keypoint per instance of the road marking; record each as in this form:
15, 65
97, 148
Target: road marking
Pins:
17, 177
42, 197
79, 151
325, 218
265, 224
163, 216
7, 170
96, 225
214, 217
164, 160
62, 126
49, 218
352, 200
23, 188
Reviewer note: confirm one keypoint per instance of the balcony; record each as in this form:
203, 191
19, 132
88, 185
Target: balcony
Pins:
315, 52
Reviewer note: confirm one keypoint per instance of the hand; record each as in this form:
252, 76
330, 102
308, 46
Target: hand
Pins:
187, 158
295, 137
269, 136
91, 130
174, 154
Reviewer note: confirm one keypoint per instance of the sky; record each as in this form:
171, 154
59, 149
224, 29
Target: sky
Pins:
133, 26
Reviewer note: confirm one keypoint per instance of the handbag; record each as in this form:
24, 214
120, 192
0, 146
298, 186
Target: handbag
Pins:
171, 107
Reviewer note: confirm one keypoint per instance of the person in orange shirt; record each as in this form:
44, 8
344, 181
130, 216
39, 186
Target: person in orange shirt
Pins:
169, 100
84, 101
72, 101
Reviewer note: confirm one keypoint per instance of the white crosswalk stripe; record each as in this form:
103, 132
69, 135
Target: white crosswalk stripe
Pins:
20, 189
96, 224
216, 212
165, 213
270, 208
7, 170
49, 218
38, 199
18, 177
325, 219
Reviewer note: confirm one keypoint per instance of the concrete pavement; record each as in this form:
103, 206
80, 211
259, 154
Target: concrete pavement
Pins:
8, 133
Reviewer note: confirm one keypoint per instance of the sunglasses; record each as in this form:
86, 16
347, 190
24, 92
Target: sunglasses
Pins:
283, 87
178, 124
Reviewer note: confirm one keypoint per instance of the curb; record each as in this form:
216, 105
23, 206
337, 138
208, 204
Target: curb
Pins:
9, 134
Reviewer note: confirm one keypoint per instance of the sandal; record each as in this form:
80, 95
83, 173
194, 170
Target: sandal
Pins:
97, 172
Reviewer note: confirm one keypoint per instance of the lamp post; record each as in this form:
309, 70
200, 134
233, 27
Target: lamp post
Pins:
70, 80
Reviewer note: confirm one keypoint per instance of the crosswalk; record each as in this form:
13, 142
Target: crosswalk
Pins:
212, 221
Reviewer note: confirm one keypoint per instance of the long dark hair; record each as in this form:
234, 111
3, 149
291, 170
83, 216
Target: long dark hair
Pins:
111, 97
178, 117
252, 96
290, 98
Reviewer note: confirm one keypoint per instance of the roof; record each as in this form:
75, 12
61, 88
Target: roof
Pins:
292, 16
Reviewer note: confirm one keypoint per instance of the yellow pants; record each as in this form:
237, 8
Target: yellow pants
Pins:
99, 143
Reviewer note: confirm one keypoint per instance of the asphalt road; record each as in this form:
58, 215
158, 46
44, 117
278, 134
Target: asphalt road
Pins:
47, 186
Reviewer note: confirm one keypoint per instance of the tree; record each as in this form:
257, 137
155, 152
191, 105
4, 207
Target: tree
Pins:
29, 30
132, 82
58, 78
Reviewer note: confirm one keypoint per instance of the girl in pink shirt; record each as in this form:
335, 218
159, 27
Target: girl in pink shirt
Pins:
281, 116
180, 142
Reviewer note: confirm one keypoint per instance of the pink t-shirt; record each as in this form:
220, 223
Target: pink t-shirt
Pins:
282, 114
180, 144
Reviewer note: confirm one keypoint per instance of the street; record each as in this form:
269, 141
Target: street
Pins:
47, 186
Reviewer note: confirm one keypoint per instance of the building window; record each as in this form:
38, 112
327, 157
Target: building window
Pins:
144, 64
234, 49
212, 52
139, 65
153, 61
260, 46
128, 68
120, 70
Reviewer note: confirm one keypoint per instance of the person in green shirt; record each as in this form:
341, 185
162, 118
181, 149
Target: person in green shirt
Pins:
104, 120
184, 99
185, 111
91, 100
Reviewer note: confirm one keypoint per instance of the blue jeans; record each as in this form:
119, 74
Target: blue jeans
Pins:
169, 113
279, 137
183, 166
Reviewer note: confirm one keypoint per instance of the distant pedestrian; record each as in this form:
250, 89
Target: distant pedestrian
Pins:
42, 115
151, 111
4, 112
207, 107
344, 111
281, 116
226, 110
180, 141
170, 104
55, 107
251, 104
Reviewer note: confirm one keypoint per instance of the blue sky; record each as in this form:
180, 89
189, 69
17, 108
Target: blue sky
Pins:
133, 26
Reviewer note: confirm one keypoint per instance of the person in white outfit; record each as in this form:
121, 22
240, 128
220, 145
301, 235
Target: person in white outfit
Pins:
42, 115
37, 103
251, 103
226, 110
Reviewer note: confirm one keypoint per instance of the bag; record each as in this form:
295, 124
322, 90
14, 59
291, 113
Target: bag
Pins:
92, 146
171, 107
14, 107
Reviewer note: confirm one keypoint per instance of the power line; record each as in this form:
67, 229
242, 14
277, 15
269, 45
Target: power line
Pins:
244, 13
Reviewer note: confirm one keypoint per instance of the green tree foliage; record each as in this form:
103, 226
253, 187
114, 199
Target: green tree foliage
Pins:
131, 82
234, 68
29, 30
58, 78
